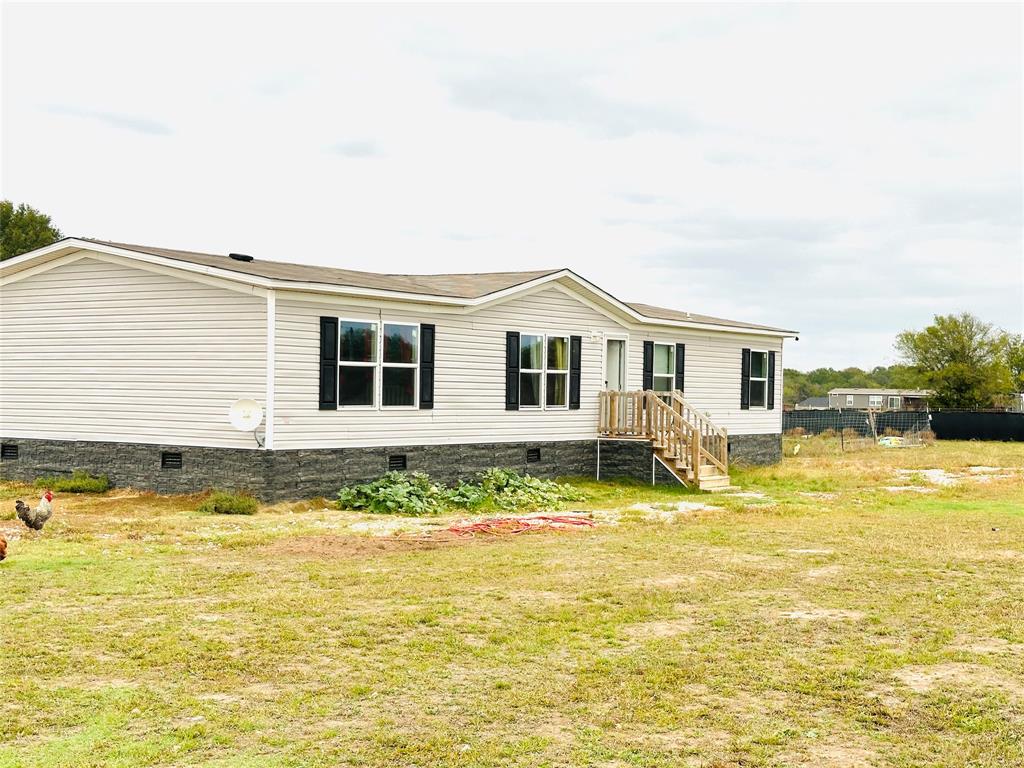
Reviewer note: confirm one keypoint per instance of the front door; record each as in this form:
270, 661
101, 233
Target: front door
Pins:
615, 365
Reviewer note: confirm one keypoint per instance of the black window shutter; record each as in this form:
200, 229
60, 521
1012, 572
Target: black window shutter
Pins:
745, 381
426, 366
512, 371
648, 381
680, 367
771, 380
328, 363
575, 365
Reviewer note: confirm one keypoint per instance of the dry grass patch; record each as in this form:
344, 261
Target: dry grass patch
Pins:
761, 635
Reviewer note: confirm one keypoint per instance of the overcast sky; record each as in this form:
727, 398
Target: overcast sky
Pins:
845, 171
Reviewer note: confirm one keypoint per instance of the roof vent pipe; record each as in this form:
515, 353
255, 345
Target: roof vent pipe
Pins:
240, 257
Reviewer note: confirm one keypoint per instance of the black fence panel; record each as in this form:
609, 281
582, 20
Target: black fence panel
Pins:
978, 425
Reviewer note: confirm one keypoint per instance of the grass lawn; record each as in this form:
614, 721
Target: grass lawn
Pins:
820, 620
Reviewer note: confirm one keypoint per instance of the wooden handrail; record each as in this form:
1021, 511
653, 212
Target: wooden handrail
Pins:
714, 440
667, 419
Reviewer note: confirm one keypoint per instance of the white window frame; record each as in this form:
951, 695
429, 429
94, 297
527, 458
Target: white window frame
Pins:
416, 366
564, 373
875, 401
359, 364
750, 399
897, 398
543, 371
671, 374
849, 401
378, 365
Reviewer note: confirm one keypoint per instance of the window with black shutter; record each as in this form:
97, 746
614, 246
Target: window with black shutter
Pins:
757, 377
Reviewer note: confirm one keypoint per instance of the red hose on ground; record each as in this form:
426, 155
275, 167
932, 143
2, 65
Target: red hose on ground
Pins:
503, 525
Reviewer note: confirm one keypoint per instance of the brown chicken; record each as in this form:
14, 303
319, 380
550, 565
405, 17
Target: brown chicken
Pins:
35, 518
3, 548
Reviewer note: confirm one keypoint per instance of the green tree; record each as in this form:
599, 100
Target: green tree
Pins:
1015, 361
961, 358
23, 229
799, 385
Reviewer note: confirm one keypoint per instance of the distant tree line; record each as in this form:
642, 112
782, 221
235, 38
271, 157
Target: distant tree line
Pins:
966, 362
799, 385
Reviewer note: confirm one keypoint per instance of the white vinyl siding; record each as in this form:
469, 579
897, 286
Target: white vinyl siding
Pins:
469, 375
469, 387
95, 350
713, 375
110, 350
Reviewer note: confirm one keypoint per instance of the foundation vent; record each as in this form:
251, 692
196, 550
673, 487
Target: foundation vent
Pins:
170, 460
397, 462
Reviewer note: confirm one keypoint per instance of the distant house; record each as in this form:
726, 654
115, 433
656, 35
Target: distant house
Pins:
879, 399
813, 404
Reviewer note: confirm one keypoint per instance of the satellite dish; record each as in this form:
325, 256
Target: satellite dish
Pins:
245, 415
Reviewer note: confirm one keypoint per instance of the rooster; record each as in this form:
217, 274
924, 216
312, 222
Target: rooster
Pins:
35, 518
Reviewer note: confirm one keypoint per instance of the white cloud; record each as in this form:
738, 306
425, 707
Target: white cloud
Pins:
845, 170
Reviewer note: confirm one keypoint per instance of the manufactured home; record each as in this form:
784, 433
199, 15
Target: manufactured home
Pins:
879, 399
126, 360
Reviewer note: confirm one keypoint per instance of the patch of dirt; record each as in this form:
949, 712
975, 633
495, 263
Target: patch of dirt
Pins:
1009, 554
811, 551
825, 572
824, 495
922, 678
394, 526
530, 596
812, 613
912, 488
989, 645
671, 580
357, 546
945, 478
653, 630
665, 512
831, 756
757, 495
705, 741
934, 476
218, 698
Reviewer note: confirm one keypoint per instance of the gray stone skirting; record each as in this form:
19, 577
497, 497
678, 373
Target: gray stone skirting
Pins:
306, 473
755, 449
